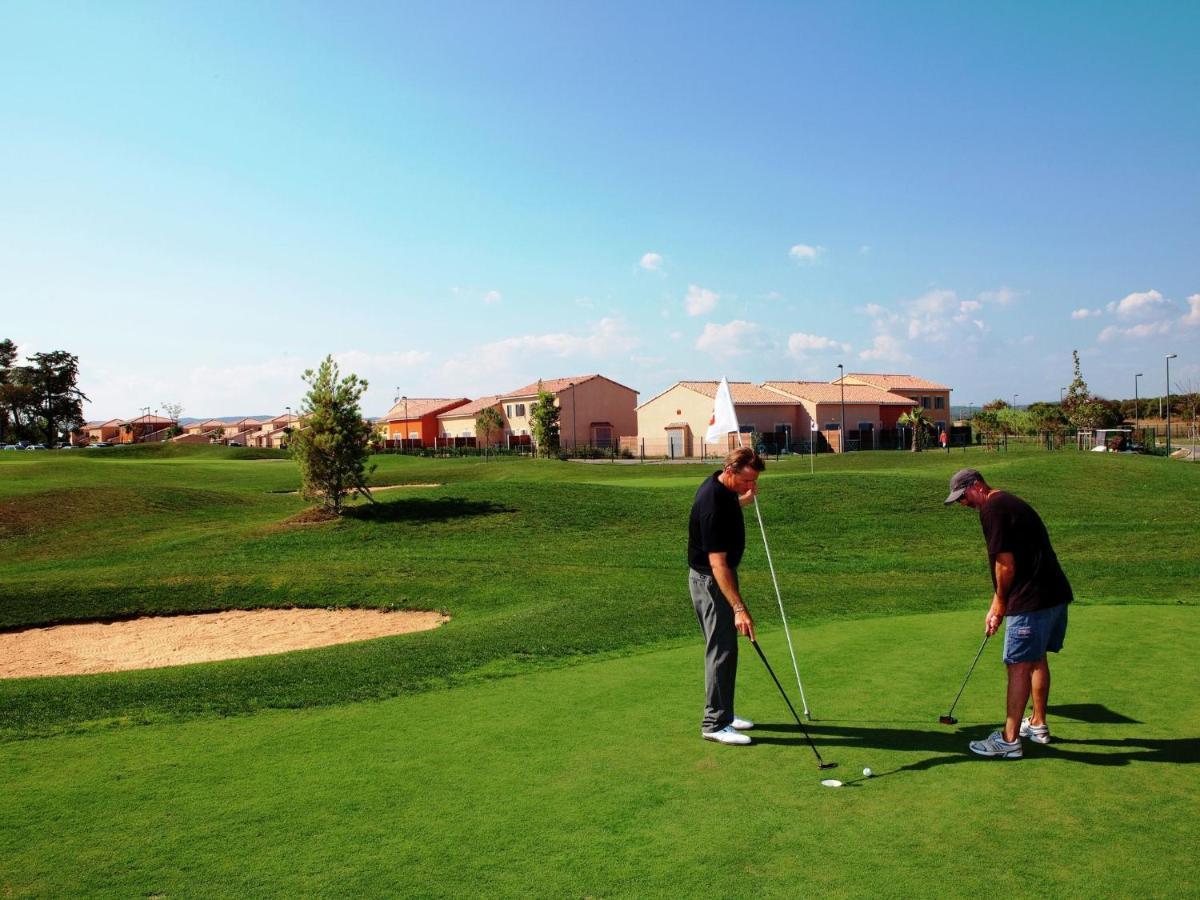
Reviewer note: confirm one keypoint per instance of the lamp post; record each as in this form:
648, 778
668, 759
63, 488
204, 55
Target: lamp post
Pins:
404, 443
1060, 395
1015, 396
574, 432
146, 420
842, 427
1136, 411
1170, 356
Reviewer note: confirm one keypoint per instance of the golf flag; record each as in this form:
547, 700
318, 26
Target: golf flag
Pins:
724, 418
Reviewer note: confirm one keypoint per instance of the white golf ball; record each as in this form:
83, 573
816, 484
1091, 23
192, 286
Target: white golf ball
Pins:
868, 772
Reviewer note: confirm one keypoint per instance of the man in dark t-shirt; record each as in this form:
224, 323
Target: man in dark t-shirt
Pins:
1033, 592
716, 542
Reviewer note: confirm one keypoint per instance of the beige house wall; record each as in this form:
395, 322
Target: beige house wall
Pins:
682, 404
595, 400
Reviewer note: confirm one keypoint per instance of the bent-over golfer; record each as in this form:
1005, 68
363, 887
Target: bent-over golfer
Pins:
1033, 592
716, 541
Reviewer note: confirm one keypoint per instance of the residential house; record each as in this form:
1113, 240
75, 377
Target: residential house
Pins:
868, 411
934, 398
415, 419
593, 410
459, 423
674, 422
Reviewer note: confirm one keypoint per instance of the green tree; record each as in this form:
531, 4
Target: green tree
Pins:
332, 447
543, 419
488, 423
1080, 404
174, 411
8, 392
916, 420
55, 401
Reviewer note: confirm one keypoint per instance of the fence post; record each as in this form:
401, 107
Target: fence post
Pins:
642, 441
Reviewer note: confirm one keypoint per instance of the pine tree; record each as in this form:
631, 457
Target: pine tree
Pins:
1080, 405
331, 444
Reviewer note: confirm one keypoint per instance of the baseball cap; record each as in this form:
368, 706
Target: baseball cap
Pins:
960, 481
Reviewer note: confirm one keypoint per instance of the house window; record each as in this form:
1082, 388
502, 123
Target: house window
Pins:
602, 436
520, 409
746, 429
832, 426
939, 402
925, 403
508, 410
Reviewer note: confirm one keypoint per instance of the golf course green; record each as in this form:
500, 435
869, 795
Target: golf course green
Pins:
544, 742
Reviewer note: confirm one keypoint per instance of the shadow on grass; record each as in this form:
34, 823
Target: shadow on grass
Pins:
950, 746
1092, 713
420, 509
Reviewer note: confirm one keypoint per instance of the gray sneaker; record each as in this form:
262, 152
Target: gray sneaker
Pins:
1039, 734
996, 747
741, 724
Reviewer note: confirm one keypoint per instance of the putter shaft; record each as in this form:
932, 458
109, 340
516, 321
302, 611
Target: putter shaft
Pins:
821, 764
950, 714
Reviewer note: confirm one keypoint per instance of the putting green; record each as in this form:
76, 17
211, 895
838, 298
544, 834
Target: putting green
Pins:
592, 780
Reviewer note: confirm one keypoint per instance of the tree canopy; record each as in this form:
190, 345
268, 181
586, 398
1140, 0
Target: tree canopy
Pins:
40, 401
331, 444
543, 417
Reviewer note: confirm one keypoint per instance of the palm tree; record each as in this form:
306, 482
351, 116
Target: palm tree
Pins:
916, 420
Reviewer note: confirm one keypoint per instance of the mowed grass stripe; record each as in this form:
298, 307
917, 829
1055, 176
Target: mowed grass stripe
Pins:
592, 781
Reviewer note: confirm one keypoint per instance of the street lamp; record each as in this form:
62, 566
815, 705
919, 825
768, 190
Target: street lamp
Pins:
1015, 396
1136, 412
403, 443
842, 427
1060, 395
145, 421
1170, 356
574, 432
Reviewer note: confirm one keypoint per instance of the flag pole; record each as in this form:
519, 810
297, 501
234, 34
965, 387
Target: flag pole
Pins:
779, 598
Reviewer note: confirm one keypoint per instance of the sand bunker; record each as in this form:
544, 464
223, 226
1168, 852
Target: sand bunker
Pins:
155, 641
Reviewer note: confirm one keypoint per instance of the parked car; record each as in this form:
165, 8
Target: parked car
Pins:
100, 444
36, 447
11, 447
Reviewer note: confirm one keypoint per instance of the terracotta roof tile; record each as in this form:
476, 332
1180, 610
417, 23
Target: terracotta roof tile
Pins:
473, 408
743, 393
422, 406
824, 392
892, 382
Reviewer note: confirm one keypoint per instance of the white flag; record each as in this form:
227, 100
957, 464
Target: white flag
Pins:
724, 418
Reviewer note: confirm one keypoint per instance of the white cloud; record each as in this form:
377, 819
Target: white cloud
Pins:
492, 297
1000, 297
1085, 313
1141, 330
1193, 316
799, 344
736, 338
1139, 305
885, 347
700, 300
806, 253
651, 262
608, 336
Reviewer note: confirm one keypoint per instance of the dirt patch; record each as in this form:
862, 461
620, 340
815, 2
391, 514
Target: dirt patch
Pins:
155, 641
312, 516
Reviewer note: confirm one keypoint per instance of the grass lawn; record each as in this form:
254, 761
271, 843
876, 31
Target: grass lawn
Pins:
591, 780
544, 741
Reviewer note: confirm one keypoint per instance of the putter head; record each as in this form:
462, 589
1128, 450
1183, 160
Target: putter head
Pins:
947, 720
827, 765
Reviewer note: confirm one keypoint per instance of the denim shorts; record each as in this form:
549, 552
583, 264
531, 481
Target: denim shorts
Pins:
1030, 636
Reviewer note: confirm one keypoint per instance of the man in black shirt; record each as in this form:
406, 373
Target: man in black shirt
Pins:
716, 541
1032, 591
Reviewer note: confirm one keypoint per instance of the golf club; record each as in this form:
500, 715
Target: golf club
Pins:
948, 718
821, 764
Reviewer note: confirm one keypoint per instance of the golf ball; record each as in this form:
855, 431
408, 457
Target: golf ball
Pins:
868, 772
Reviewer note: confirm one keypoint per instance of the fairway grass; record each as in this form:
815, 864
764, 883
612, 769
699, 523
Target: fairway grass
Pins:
592, 780
539, 563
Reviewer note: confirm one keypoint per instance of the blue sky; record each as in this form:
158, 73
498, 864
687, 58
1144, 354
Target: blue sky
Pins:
202, 200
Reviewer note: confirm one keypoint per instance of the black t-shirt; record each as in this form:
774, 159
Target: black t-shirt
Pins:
1010, 525
715, 526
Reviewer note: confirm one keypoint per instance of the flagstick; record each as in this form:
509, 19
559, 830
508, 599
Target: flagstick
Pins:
786, 631
779, 598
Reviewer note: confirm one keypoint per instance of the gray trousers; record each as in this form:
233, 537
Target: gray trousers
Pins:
720, 649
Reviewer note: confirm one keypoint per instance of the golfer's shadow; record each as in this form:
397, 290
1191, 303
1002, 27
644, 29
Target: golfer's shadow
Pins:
949, 746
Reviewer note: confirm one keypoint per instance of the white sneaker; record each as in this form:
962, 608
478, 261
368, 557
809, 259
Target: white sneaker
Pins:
994, 745
741, 724
725, 736
1039, 734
